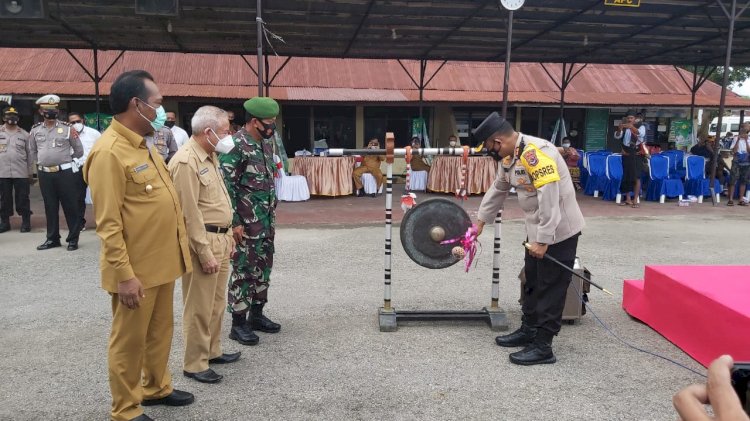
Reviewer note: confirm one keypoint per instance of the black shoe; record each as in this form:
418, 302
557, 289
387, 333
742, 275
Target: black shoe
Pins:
207, 376
521, 337
534, 354
225, 358
260, 322
4, 225
359, 192
142, 417
176, 398
73, 245
26, 224
243, 334
49, 244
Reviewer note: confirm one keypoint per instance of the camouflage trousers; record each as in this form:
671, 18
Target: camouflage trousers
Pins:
251, 272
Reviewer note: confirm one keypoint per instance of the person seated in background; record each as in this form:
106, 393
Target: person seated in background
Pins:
571, 157
718, 392
453, 141
371, 165
740, 166
726, 142
418, 162
703, 148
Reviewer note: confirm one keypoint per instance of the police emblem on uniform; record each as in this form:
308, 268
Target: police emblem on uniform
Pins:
60, 130
530, 157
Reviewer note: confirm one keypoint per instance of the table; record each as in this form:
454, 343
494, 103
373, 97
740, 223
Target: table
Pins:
326, 176
445, 174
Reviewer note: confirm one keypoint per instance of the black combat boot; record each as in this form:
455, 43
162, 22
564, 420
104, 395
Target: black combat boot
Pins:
241, 331
260, 322
4, 224
538, 352
521, 337
26, 223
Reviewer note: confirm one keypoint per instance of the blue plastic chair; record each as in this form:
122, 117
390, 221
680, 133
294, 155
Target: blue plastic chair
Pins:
676, 163
660, 185
696, 183
597, 174
582, 169
613, 172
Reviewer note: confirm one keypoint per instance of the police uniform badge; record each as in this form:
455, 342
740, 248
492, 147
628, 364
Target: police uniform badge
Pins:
530, 157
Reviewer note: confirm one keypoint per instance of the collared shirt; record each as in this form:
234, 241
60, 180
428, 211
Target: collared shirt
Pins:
545, 193
163, 141
55, 145
15, 153
742, 148
203, 195
88, 137
180, 136
626, 136
138, 215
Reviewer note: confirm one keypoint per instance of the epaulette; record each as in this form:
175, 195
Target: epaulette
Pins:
65, 123
37, 124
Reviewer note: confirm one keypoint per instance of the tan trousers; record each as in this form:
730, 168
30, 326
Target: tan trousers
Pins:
139, 346
357, 176
205, 299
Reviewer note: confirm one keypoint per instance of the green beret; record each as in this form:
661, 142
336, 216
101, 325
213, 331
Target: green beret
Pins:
262, 107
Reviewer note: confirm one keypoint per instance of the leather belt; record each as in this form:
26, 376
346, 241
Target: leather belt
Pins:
216, 229
56, 168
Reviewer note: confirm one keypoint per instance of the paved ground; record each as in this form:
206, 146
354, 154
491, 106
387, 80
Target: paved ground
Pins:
331, 362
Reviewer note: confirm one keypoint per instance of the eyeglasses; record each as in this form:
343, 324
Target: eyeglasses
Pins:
76, 121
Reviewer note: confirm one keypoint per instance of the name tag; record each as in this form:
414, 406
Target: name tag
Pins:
141, 168
203, 171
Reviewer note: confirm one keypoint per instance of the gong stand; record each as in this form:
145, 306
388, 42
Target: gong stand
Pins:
388, 315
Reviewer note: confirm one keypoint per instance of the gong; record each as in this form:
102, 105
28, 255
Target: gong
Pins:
426, 225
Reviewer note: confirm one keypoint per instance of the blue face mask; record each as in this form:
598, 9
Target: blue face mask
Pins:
161, 116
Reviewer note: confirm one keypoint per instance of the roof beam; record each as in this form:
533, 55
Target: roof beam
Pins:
683, 12
456, 28
359, 28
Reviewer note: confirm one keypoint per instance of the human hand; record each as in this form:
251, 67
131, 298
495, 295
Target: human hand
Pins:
480, 227
210, 266
32, 181
237, 233
717, 392
130, 293
537, 250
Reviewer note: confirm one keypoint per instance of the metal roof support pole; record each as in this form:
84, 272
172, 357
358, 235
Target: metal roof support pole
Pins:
506, 80
259, 22
267, 82
422, 69
567, 77
97, 79
698, 82
732, 15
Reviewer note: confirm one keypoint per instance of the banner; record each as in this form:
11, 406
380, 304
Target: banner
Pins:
418, 130
104, 119
680, 132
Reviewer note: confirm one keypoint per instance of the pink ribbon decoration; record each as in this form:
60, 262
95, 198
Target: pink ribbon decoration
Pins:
469, 244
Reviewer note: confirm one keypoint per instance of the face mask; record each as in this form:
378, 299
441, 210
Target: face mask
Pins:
268, 129
161, 116
566, 145
169, 124
12, 120
374, 147
452, 143
225, 144
495, 155
50, 114
78, 127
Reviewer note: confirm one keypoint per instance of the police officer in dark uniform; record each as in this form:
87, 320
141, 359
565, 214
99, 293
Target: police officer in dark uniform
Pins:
16, 169
54, 144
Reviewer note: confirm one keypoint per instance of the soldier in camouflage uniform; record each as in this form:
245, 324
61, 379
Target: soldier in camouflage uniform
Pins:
249, 172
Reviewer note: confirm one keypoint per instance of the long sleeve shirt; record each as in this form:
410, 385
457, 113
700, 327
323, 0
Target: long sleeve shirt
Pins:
138, 215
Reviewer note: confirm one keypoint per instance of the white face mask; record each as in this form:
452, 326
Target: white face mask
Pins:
78, 127
566, 145
452, 143
225, 145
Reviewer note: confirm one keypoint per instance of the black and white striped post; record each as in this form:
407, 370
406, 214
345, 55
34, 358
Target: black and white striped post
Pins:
387, 314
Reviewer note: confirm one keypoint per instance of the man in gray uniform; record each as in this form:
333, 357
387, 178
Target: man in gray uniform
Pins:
553, 223
16, 169
163, 140
54, 144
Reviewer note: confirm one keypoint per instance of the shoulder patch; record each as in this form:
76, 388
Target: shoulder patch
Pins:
37, 125
539, 166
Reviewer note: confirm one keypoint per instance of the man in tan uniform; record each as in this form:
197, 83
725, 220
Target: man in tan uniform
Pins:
208, 217
16, 169
418, 162
144, 248
535, 168
370, 164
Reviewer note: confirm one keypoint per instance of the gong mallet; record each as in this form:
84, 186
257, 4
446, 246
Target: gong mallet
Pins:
564, 266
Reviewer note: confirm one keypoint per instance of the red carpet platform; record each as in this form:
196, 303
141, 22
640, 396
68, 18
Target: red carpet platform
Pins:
704, 310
